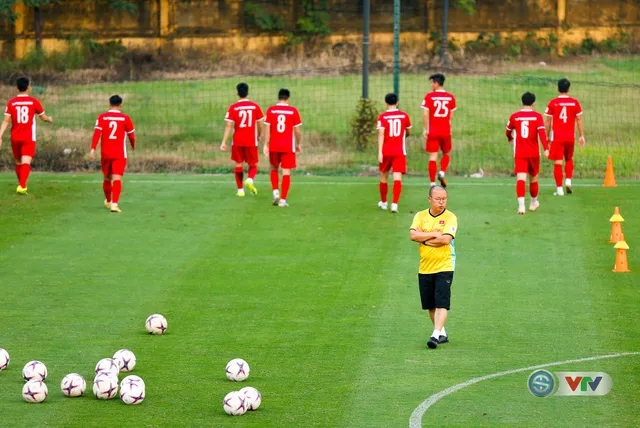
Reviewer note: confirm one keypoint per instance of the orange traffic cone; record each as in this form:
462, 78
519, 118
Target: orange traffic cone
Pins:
616, 226
621, 257
609, 178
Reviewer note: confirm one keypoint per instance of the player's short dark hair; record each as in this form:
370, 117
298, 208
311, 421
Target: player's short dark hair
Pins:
115, 101
528, 99
284, 94
563, 85
438, 78
391, 99
243, 89
22, 83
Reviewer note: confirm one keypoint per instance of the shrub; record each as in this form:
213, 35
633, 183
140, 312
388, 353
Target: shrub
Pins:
363, 123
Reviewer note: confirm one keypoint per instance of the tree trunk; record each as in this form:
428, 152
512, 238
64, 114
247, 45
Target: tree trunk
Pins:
37, 26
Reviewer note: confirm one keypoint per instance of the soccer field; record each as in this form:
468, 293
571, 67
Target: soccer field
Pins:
320, 299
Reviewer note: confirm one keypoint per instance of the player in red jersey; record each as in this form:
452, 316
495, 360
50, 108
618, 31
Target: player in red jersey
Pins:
245, 117
21, 113
113, 128
393, 128
562, 114
282, 143
528, 126
438, 106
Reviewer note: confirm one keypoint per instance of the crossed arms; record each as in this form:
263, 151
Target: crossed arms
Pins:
430, 239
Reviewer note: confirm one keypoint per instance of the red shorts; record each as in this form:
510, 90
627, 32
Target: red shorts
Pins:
398, 163
23, 148
113, 166
286, 160
438, 142
530, 166
561, 150
248, 154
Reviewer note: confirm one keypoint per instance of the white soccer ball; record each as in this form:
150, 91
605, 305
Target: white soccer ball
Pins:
252, 397
108, 365
132, 393
237, 370
234, 404
4, 359
105, 386
73, 385
34, 370
156, 324
131, 381
35, 391
125, 359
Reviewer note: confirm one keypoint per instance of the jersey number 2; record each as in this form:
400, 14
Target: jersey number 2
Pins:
114, 127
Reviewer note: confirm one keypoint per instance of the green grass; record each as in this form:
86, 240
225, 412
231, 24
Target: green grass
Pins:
321, 299
180, 123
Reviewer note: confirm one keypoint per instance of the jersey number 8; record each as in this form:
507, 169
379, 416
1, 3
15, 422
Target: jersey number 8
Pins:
282, 123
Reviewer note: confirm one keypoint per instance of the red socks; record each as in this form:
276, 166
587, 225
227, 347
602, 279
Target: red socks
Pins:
106, 187
533, 189
286, 182
117, 188
557, 174
397, 189
433, 169
520, 188
444, 162
25, 169
18, 169
253, 170
274, 179
384, 189
239, 176
568, 169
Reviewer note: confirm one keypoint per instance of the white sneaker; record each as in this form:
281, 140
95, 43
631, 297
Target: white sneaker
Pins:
394, 208
383, 205
441, 174
283, 203
559, 192
534, 205
276, 197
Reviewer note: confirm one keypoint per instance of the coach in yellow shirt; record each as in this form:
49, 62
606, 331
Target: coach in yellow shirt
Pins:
435, 230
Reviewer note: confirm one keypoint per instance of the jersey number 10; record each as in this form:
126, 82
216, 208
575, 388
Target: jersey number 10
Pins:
394, 127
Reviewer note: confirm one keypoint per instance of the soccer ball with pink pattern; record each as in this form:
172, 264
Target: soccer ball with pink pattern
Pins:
156, 324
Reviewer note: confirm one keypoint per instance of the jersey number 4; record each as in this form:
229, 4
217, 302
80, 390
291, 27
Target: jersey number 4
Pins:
563, 114
441, 108
23, 114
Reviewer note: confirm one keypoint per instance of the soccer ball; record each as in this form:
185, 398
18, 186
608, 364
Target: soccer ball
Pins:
237, 370
73, 385
156, 324
234, 404
108, 365
4, 359
125, 359
34, 370
132, 393
131, 381
34, 391
105, 386
252, 397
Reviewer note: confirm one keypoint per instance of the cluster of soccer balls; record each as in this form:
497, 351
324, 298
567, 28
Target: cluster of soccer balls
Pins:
105, 384
237, 403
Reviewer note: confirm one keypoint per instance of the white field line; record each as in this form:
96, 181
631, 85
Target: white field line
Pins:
230, 182
416, 417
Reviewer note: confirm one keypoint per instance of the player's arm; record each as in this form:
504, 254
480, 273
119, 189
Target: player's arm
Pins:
46, 118
4, 126
425, 121
547, 124
580, 130
259, 124
131, 133
440, 241
543, 136
97, 133
298, 134
225, 137
509, 131
40, 112
267, 137
380, 143
418, 235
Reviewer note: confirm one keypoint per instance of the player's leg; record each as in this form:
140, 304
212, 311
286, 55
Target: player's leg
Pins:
16, 148
106, 182
426, 285
117, 171
568, 166
239, 174
442, 294
274, 161
252, 160
433, 166
288, 163
555, 154
445, 146
521, 176
534, 171
385, 167
25, 170
399, 165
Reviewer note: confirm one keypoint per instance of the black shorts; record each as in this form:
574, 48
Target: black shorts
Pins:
435, 290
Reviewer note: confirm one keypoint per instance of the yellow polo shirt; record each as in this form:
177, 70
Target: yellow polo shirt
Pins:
437, 259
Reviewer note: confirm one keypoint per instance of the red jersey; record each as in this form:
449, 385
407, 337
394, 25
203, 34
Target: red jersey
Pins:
244, 115
395, 123
564, 111
528, 126
282, 118
441, 105
113, 127
23, 110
